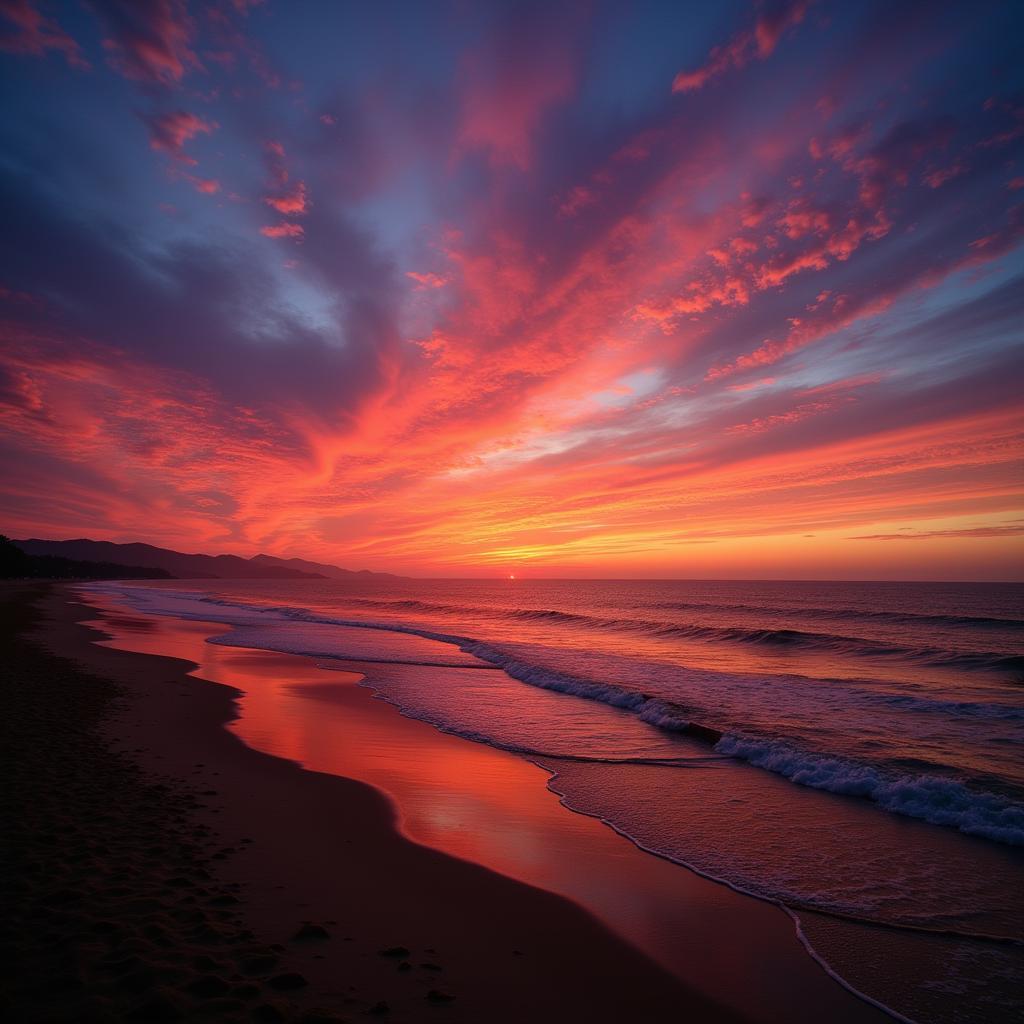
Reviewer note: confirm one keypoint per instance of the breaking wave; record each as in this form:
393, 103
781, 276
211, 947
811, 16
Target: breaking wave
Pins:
939, 801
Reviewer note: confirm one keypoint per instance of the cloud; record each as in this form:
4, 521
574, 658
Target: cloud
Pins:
149, 42
205, 186
290, 201
207, 309
293, 202
569, 374
283, 230
981, 532
836, 312
427, 280
756, 43
511, 82
169, 132
35, 34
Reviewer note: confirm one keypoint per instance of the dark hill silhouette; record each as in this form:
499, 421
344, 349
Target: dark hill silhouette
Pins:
175, 563
15, 564
333, 572
179, 565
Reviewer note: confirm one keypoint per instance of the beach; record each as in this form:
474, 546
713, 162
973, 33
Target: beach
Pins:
280, 877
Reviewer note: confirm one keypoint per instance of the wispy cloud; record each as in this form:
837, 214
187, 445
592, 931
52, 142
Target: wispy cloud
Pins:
755, 43
25, 29
1006, 530
150, 42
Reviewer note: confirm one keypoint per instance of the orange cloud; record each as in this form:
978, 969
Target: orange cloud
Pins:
1006, 530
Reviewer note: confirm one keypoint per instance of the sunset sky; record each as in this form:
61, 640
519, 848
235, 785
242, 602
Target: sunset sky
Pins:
599, 289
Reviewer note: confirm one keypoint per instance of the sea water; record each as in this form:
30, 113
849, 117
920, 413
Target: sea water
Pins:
852, 751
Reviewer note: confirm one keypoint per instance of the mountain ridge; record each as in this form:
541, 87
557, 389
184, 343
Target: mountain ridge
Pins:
184, 565
318, 568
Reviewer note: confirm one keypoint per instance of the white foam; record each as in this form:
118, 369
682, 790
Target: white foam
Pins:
938, 801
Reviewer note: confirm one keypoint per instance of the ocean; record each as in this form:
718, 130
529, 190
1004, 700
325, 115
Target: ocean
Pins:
851, 751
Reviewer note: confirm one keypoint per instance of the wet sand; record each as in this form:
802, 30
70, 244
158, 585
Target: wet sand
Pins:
326, 854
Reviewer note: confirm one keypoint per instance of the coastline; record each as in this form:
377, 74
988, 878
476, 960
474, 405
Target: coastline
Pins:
325, 849
329, 849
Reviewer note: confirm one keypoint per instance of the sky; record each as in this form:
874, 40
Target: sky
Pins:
704, 290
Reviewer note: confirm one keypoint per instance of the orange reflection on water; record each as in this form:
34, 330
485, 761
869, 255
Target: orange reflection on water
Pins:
492, 807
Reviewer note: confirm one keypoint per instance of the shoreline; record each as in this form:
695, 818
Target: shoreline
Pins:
562, 948
325, 849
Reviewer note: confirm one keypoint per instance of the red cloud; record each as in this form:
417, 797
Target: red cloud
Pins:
208, 186
763, 382
169, 132
275, 157
843, 311
35, 34
803, 218
283, 230
755, 43
938, 177
502, 119
699, 298
149, 42
427, 280
795, 415
578, 197
290, 203
508, 87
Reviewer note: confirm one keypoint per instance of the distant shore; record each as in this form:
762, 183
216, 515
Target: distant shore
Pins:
188, 875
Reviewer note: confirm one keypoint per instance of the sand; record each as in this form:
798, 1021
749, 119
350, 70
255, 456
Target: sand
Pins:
156, 868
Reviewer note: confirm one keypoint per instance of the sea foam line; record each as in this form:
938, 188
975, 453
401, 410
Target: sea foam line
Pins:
789, 911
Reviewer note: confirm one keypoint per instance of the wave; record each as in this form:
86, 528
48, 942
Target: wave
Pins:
410, 604
953, 708
830, 642
936, 799
546, 614
895, 618
838, 644
997, 661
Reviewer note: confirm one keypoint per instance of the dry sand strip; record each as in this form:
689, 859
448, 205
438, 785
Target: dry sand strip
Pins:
156, 868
